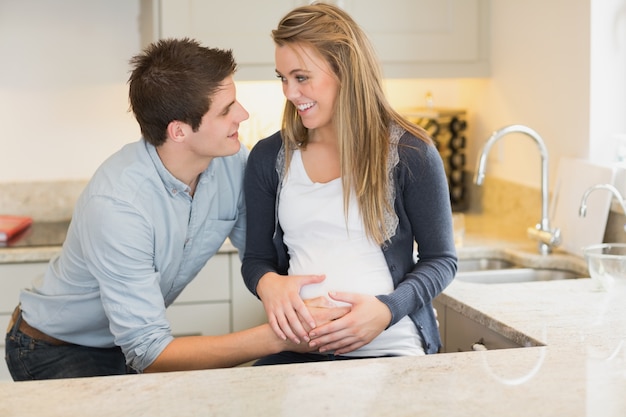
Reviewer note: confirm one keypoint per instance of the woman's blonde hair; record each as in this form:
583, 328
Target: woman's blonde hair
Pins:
363, 115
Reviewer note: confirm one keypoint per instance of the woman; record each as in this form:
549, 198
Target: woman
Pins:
338, 198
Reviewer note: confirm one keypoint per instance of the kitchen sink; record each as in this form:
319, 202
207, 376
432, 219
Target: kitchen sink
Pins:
496, 269
515, 275
483, 264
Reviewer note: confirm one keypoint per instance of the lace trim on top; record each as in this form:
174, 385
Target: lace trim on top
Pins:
391, 220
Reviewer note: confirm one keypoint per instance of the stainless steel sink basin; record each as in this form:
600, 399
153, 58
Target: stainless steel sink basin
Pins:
514, 275
483, 264
512, 266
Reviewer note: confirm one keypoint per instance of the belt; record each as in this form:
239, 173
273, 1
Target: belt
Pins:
30, 331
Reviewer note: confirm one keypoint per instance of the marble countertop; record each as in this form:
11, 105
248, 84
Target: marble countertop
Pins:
43, 241
580, 370
39, 243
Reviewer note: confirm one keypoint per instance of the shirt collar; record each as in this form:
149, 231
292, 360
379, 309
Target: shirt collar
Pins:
172, 184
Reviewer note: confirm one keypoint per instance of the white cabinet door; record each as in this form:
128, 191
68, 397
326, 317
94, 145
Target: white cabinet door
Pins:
413, 38
4, 371
199, 319
243, 26
203, 308
426, 38
13, 278
247, 310
211, 284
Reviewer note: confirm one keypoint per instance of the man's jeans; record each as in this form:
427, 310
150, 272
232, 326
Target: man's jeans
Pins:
30, 359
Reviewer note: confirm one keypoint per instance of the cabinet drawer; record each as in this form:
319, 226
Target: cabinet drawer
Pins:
199, 319
462, 333
13, 278
4, 371
247, 310
4, 322
211, 283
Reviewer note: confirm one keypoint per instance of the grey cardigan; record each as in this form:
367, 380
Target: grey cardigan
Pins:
422, 207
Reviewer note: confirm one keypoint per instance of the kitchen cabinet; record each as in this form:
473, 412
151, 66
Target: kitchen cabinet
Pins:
14, 277
415, 39
462, 333
215, 302
247, 310
203, 308
459, 333
440, 309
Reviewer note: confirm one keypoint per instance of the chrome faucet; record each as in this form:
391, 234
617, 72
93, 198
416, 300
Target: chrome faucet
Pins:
582, 211
542, 231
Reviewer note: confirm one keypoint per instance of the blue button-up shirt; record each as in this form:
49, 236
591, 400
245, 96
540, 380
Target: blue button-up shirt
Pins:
136, 239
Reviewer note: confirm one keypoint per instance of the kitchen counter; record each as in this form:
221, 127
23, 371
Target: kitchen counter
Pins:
39, 243
577, 369
43, 240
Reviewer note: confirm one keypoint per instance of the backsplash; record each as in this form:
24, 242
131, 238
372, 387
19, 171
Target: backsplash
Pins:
43, 201
615, 232
500, 208
503, 209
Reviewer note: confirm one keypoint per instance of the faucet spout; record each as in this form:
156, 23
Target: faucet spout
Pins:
547, 236
582, 211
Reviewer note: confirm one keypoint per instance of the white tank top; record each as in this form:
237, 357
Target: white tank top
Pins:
320, 241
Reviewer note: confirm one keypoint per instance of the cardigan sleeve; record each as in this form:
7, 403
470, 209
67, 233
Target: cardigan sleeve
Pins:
260, 188
424, 211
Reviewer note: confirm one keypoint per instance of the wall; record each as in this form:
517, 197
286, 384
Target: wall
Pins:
608, 80
63, 104
540, 78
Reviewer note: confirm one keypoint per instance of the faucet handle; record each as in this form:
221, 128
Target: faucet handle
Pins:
556, 237
547, 238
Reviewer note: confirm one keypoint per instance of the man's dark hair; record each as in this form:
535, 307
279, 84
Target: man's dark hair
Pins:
175, 79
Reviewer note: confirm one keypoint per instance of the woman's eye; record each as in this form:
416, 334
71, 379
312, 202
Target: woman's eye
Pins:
281, 78
301, 78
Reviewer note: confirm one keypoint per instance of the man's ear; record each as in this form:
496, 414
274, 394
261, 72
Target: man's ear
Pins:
176, 130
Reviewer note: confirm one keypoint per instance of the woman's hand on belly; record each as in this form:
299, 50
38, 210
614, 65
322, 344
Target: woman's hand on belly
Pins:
287, 314
324, 311
367, 318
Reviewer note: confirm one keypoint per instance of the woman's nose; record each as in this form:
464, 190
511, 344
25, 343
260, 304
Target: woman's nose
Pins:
291, 91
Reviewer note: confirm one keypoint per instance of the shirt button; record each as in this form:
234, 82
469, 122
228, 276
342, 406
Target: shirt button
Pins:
174, 191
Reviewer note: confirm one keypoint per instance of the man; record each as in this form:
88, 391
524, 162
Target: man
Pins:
146, 224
